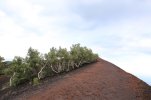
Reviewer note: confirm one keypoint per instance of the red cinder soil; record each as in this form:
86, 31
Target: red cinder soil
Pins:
98, 81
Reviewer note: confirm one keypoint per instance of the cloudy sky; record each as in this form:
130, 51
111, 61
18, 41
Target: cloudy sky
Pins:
119, 31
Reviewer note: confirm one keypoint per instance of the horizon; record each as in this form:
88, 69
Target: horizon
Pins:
119, 31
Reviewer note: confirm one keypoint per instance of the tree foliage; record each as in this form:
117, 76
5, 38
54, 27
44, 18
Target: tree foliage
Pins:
1, 65
19, 71
38, 66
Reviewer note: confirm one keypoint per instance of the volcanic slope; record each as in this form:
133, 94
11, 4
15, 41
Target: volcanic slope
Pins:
97, 81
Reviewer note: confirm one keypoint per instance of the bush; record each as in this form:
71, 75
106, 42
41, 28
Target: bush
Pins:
36, 66
35, 81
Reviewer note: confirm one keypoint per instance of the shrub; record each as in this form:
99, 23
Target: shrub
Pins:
35, 81
36, 66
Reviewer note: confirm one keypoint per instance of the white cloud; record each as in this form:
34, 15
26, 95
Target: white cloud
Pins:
2, 14
46, 23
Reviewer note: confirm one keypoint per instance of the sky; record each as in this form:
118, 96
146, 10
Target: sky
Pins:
119, 31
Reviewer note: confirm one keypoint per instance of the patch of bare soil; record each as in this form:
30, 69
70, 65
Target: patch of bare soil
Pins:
3, 80
98, 81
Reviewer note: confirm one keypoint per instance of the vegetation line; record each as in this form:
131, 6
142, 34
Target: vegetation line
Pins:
36, 66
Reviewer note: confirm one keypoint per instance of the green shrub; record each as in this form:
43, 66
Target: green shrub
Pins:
37, 66
17, 79
36, 81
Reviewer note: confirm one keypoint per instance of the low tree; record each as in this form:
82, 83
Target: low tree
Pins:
34, 60
1, 65
37, 66
19, 71
63, 58
75, 54
52, 59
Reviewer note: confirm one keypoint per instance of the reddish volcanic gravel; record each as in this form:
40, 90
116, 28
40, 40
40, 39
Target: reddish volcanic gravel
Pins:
98, 81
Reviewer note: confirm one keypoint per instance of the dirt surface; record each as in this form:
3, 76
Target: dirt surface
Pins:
3, 80
97, 81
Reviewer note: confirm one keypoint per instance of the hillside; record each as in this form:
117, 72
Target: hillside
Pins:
97, 81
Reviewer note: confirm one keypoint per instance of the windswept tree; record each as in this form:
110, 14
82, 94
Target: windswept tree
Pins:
81, 55
34, 60
1, 65
44, 70
52, 59
75, 54
37, 66
63, 59
88, 56
19, 71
